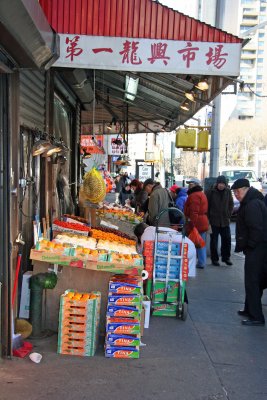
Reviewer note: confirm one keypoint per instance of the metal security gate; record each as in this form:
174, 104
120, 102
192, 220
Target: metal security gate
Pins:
5, 311
32, 99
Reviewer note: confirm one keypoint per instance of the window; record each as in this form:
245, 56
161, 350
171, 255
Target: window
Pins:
259, 77
259, 85
261, 34
260, 60
262, 9
260, 52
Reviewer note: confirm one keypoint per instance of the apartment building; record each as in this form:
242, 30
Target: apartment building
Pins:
253, 71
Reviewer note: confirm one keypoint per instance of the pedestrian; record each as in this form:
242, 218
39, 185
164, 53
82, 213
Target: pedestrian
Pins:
251, 239
220, 208
140, 196
195, 210
159, 199
119, 184
125, 195
181, 198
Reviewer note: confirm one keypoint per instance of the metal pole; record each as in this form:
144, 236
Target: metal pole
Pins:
216, 113
172, 160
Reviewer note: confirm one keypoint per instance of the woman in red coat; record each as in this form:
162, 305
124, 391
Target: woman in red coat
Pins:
195, 210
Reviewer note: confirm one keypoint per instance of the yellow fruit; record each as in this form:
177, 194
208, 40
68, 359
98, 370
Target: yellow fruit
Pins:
85, 296
94, 187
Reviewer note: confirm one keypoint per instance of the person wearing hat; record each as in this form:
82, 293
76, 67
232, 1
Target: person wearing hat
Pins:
159, 199
220, 208
195, 211
140, 196
251, 239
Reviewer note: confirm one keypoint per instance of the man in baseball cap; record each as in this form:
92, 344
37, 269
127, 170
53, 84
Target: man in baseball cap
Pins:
251, 239
194, 181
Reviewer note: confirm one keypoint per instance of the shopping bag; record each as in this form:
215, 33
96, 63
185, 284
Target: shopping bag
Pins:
196, 238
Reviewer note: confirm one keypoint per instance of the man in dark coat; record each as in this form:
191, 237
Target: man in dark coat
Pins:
159, 199
220, 208
251, 238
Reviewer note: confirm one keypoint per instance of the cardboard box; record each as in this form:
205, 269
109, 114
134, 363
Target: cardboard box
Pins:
123, 311
116, 268
122, 340
24, 309
121, 352
165, 310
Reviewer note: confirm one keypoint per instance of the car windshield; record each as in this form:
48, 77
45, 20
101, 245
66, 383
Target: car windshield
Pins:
238, 174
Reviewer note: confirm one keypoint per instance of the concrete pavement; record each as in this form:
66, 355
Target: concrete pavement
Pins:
210, 356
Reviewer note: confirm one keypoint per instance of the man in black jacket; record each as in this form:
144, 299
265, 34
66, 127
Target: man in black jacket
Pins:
220, 207
251, 238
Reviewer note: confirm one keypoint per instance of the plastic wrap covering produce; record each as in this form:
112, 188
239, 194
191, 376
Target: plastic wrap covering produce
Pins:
94, 186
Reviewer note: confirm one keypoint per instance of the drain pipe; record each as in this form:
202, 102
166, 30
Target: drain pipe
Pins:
38, 283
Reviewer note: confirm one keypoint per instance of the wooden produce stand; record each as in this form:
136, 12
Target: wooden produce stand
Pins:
77, 274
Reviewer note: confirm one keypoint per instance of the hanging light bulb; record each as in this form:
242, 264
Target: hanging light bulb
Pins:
190, 95
54, 149
40, 147
202, 85
185, 106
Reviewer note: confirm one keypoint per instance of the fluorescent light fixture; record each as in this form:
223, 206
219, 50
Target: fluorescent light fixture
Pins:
202, 85
131, 85
190, 95
185, 106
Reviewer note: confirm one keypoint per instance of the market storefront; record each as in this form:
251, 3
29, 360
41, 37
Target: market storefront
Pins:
113, 79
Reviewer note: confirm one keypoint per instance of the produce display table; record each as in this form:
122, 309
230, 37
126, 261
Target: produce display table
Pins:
76, 274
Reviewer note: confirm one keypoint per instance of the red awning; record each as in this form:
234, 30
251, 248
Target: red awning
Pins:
160, 102
129, 18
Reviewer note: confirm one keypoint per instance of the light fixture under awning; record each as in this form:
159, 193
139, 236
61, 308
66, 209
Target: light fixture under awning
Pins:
131, 85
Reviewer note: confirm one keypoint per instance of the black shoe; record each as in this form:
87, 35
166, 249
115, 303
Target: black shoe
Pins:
227, 262
216, 263
243, 313
252, 322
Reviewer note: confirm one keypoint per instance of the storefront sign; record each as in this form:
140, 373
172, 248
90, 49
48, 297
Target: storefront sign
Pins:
115, 149
145, 172
93, 146
150, 55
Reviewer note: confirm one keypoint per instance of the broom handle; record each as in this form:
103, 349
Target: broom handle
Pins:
14, 291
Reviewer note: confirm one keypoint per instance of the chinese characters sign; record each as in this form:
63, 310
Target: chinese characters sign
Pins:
169, 56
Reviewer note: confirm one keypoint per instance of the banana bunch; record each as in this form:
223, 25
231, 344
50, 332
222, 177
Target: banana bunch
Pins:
94, 186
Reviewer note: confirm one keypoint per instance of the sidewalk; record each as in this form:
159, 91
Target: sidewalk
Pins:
210, 356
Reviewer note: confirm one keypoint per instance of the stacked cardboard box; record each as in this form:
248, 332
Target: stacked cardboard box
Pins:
148, 253
123, 325
79, 316
165, 293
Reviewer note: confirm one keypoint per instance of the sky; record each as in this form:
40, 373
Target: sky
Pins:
180, 5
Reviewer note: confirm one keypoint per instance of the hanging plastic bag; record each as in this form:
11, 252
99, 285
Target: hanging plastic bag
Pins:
196, 238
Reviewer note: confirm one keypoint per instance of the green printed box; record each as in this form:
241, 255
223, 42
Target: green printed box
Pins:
172, 291
164, 310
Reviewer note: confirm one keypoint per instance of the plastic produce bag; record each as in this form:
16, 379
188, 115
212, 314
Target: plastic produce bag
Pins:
196, 238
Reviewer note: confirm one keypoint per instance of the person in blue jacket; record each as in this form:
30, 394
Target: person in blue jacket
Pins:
181, 198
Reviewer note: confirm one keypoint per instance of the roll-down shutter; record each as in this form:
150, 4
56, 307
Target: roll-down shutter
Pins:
32, 99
